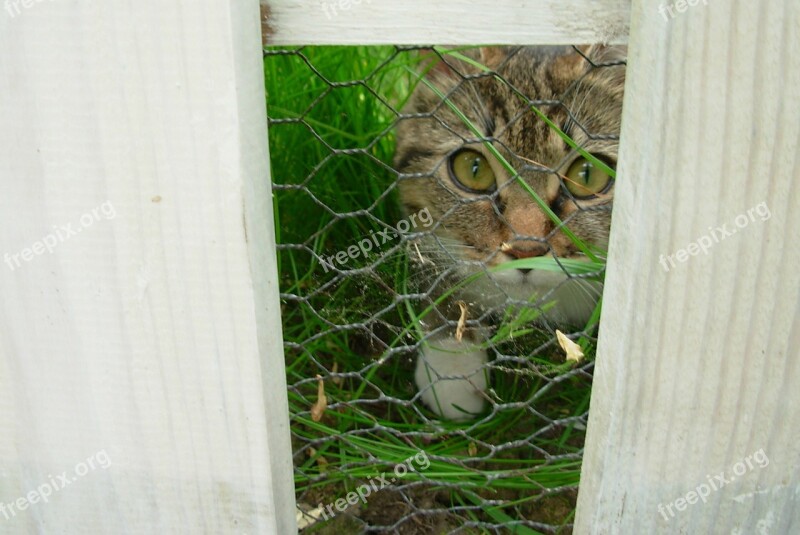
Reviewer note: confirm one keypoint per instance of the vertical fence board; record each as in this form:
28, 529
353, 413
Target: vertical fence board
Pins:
139, 344
697, 366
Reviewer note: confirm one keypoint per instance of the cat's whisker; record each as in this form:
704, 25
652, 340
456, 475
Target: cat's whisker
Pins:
577, 109
454, 246
480, 107
581, 289
534, 162
422, 259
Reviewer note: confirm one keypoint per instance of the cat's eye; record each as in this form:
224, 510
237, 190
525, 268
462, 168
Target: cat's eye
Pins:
470, 170
585, 180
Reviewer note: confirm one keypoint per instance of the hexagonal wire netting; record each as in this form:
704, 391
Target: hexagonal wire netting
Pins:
374, 458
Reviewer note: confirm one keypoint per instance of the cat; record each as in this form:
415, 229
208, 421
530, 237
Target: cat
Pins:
483, 217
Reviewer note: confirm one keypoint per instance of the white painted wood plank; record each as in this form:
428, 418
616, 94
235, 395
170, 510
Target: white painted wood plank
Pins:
697, 365
363, 22
149, 339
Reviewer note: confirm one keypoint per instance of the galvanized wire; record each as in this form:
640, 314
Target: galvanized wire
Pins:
372, 342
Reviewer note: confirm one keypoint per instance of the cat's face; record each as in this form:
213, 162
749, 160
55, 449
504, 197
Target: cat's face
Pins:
484, 215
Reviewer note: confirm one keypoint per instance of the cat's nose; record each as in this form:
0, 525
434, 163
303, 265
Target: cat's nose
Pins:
527, 250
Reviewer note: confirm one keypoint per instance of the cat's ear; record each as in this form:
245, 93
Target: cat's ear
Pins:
494, 56
464, 63
437, 65
601, 54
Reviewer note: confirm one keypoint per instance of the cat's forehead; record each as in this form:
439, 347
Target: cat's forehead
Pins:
538, 72
563, 84
579, 98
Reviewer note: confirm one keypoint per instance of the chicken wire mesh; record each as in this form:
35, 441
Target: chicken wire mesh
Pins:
369, 455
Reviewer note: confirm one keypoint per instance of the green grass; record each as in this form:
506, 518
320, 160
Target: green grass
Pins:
331, 147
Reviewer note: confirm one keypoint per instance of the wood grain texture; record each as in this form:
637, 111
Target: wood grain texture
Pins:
697, 365
349, 22
150, 335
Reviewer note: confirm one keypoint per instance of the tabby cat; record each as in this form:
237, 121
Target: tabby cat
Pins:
483, 215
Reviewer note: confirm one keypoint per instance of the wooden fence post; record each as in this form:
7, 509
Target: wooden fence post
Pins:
697, 368
142, 386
